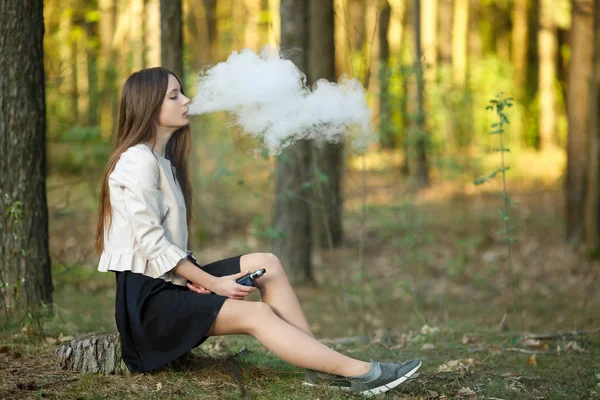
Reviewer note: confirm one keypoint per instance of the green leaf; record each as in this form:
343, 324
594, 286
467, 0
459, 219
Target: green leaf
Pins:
273, 233
265, 153
92, 16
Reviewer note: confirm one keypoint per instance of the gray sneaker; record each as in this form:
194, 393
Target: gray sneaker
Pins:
318, 378
389, 376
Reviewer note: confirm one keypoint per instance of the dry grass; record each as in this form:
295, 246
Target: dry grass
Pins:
434, 258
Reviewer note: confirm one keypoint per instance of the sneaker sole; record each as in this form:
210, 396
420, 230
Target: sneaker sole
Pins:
391, 385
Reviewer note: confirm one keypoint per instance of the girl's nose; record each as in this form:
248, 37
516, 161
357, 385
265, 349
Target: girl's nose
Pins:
187, 100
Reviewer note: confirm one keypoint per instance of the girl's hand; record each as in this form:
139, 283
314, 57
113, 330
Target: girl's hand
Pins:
194, 287
227, 286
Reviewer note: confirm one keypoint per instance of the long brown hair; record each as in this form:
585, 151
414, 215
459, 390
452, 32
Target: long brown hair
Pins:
141, 101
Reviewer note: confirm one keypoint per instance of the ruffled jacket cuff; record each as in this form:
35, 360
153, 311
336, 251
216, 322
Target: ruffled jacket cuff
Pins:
167, 260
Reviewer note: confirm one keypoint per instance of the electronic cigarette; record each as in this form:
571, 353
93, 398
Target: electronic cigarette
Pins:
249, 279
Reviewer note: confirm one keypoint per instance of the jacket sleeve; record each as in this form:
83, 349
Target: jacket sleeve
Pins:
137, 174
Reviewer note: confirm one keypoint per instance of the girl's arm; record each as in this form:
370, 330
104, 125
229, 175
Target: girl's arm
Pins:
224, 286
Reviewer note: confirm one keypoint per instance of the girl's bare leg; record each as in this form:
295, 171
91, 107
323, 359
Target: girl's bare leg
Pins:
275, 289
282, 339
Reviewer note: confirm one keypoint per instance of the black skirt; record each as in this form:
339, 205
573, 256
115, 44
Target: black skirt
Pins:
159, 321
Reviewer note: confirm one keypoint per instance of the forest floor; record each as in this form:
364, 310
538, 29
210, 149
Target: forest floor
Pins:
435, 284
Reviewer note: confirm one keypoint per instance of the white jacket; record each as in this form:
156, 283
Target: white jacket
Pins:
148, 234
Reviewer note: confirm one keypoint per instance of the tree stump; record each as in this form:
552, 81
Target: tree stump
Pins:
94, 353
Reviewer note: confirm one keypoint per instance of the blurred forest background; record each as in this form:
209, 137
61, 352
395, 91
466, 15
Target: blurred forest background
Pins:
429, 112
463, 216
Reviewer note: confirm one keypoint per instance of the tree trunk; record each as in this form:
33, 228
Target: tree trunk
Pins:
292, 210
357, 10
547, 74
252, 18
171, 36
92, 72
210, 8
91, 354
421, 168
445, 15
356, 22
501, 28
474, 44
152, 35
408, 105
264, 23
387, 136
592, 217
578, 100
327, 159
519, 41
136, 41
429, 38
459, 41
24, 255
109, 90
74, 92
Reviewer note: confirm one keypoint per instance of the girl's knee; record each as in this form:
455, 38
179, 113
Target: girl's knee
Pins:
269, 261
274, 264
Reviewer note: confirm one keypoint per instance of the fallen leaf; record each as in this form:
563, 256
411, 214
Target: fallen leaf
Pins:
158, 386
428, 346
515, 385
598, 376
531, 360
62, 338
426, 329
456, 365
433, 394
50, 340
468, 392
475, 349
532, 342
574, 346
465, 339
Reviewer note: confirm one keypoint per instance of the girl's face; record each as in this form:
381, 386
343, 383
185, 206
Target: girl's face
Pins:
174, 109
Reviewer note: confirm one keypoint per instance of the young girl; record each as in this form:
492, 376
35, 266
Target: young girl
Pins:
166, 303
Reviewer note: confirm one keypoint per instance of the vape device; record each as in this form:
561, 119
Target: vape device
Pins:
248, 279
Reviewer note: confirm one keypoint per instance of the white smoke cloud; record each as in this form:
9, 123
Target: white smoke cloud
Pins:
268, 98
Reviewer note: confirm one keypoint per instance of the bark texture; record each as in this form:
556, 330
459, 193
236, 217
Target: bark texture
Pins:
91, 354
171, 36
547, 48
578, 115
292, 209
327, 158
421, 170
24, 255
